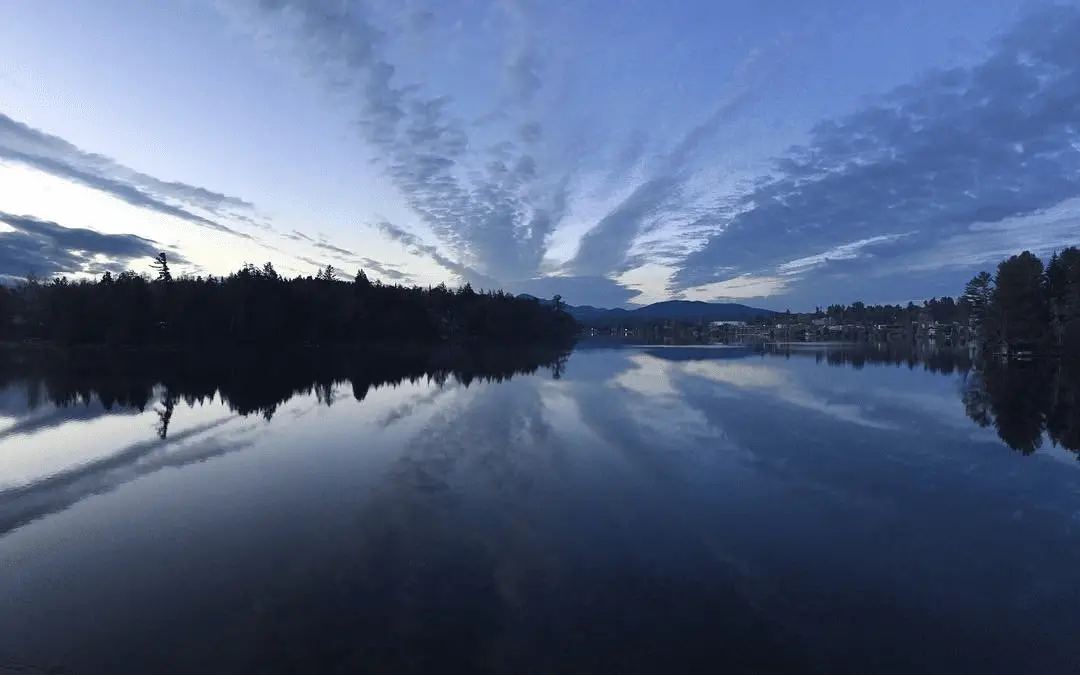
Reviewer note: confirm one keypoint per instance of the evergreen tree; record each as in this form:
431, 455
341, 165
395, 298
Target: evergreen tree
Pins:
7, 312
161, 266
1063, 295
1021, 313
978, 297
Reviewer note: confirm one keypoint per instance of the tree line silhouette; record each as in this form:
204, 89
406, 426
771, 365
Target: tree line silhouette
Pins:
257, 306
1028, 303
252, 382
942, 310
945, 309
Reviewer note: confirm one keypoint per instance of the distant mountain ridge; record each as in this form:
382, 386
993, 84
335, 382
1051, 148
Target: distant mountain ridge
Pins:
683, 310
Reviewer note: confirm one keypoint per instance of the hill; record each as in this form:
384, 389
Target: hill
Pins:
682, 310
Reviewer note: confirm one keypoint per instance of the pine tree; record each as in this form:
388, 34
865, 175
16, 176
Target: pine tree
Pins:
1020, 300
161, 265
1066, 296
978, 295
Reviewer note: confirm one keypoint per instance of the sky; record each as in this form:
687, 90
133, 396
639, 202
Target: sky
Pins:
779, 153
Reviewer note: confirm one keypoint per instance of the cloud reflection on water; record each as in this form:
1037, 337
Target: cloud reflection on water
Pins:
546, 504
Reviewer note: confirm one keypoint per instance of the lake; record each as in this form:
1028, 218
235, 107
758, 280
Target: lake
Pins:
612, 510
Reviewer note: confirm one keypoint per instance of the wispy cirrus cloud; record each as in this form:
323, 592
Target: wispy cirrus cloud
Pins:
350, 259
388, 270
850, 251
492, 192
594, 290
336, 250
930, 162
911, 170
417, 247
22, 144
663, 195
297, 235
742, 287
486, 198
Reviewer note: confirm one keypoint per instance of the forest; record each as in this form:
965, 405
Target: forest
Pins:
257, 306
1028, 303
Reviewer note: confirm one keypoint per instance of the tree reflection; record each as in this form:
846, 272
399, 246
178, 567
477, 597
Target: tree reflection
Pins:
977, 399
1026, 401
932, 358
249, 383
1063, 418
168, 402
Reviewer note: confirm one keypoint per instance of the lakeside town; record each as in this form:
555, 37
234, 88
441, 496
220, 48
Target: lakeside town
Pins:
922, 327
1027, 306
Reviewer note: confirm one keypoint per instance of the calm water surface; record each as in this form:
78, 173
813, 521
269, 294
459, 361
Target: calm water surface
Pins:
630, 510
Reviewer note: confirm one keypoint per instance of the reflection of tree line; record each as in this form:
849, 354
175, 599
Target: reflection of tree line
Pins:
943, 361
1027, 400
250, 382
1024, 401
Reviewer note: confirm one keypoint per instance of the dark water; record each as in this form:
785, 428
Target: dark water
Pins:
633, 510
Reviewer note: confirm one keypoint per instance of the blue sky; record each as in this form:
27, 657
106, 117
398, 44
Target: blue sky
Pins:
780, 153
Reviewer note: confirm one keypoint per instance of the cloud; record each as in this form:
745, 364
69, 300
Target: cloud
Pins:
781, 385
604, 248
489, 192
899, 273
47, 249
368, 264
531, 132
987, 244
413, 243
30, 421
849, 251
742, 287
524, 72
383, 269
578, 290
386, 269
25, 504
581, 290
421, 21
25, 145
337, 250
981, 144
491, 207
297, 235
